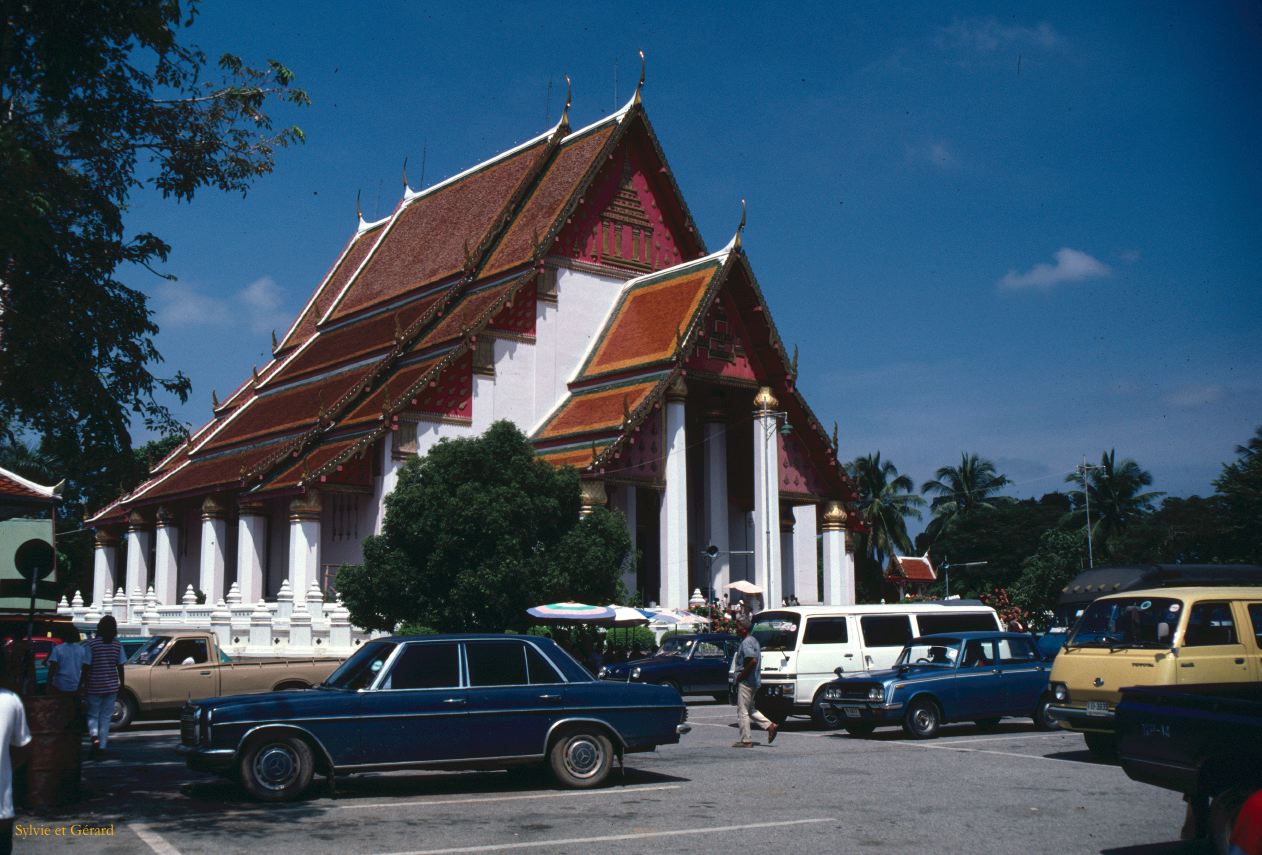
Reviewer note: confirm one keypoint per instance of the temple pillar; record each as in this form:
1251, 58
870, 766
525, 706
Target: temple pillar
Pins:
138, 533
104, 565
623, 500
251, 549
805, 556
848, 596
591, 496
767, 497
787, 559
834, 528
304, 543
214, 537
717, 512
166, 564
674, 512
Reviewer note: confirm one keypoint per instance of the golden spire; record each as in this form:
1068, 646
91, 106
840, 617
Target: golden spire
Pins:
359, 211
214, 399
274, 345
254, 370
405, 175
740, 227
565, 114
640, 85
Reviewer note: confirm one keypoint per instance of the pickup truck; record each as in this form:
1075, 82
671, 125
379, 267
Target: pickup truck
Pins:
1203, 741
183, 666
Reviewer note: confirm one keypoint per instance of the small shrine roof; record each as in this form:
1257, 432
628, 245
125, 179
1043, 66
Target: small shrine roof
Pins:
912, 568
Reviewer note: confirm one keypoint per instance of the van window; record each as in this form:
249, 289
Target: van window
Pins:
776, 630
966, 622
1210, 623
1255, 617
825, 630
886, 630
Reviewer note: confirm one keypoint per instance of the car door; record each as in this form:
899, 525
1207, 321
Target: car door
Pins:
978, 686
514, 698
184, 673
883, 639
1212, 650
417, 712
1023, 675
708, 671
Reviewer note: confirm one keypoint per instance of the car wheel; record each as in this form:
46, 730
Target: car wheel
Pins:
824, 716
1222, 817
986, 723
1043, 717
277, 768
1102, 745
124, 712
860, 730
922, 719
581, 758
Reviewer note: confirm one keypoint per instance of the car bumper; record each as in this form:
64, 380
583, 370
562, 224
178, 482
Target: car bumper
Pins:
681, 729
1077, 718
851, 711
201, 759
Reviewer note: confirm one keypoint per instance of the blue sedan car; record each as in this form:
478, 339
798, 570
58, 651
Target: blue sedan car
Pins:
433, 702
689, 664
967, 676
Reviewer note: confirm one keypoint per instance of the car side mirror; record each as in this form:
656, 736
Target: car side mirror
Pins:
838, 670
1163, 631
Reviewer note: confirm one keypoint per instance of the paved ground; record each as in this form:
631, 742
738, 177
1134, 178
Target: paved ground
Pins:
1007, 790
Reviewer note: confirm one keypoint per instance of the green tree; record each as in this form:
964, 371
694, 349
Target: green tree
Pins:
1240, 488
100, 99
1181, 531
1046, 572
885, 501
960, 491
478, 530
1117, 497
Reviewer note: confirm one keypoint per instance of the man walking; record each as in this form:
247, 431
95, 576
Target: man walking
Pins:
748, 679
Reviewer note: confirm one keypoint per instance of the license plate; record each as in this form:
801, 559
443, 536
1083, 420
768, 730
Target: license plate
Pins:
851, 712
1097, 708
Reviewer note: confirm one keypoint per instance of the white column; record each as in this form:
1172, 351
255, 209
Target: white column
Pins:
717, 512
674, 514
166, 566
848, 597
834, 526
251, 550
104, 564
788, 577
624, 500
214, 537
767, 497
138, 534
304, 543
805, 557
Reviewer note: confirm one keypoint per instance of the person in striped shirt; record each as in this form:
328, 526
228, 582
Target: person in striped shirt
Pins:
102, 678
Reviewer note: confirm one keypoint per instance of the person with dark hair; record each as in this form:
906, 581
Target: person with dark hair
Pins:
102, 678
748, 677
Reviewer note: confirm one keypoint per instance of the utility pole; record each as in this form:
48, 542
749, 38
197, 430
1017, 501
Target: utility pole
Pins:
1083, 469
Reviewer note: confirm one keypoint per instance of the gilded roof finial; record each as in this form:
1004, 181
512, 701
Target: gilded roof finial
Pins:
398, 329
254, 370
640, 85
740, 227
565, 114
214, 399
626, 412
795, 360
359, 210
405, 176
274, 343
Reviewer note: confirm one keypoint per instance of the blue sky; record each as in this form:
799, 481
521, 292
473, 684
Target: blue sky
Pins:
1027, 231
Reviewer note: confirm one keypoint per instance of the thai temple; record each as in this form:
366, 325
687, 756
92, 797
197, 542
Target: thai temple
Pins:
561, 285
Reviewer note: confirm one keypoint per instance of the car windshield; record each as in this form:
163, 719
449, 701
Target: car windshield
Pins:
1127, 622
675, 647
936, 652
360, 670
775, 630
150, 653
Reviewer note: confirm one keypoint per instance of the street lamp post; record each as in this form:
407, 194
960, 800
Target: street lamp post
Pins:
771, 420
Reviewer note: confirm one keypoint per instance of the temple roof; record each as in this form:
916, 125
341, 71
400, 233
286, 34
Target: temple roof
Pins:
13, 487
912, 568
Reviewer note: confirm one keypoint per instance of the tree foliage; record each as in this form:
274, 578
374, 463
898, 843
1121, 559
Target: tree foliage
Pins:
1045, 573
885, 501
960, 491
100, 100
476, 531
1240, 486
1117, 497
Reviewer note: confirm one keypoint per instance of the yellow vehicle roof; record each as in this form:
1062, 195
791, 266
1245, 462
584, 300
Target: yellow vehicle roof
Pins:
1213, 592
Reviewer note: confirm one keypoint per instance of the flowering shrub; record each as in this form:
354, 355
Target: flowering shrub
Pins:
720, 620
998, 599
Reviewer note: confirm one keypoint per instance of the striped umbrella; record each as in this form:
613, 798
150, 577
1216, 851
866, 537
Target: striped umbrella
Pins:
627, 616
572, 613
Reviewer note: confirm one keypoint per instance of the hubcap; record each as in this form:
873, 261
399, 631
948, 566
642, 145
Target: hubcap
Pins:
118, 711
923, 719
583, 756
276, 767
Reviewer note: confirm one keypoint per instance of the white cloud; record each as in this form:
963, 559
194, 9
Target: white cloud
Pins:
261, 304
1194, 396
987, 35
936, 153
1071, 265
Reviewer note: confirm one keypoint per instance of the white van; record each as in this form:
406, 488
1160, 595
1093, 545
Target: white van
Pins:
803, 646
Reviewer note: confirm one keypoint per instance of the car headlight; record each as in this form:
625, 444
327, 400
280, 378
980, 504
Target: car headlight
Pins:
1060, 692
876, 693
635, 673
832, 694
602, 673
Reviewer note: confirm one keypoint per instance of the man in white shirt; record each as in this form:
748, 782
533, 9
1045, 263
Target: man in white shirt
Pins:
13, 734
65, 666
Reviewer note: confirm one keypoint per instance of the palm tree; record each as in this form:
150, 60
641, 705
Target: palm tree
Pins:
885, 501
962, 490
1114, 489
32, 463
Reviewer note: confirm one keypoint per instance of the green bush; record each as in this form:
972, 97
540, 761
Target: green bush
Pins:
415, 629
630, 636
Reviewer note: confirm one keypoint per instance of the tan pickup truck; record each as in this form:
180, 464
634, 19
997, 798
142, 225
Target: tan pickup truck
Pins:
162, 676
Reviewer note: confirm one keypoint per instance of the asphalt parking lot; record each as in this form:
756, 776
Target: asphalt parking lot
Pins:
1004, 790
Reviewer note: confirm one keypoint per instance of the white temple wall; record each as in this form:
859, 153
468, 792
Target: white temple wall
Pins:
564, 330
740, 528
514, 388
276, 570
190, 551
805, 557
342, 531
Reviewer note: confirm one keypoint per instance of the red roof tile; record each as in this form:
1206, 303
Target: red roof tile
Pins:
912, 568
352, 257
288, 409
15, 487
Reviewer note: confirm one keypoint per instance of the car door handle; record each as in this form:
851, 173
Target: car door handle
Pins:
455, 702
1240, 661
204, 673
849, 655
1187, 664
996, 672
549, 697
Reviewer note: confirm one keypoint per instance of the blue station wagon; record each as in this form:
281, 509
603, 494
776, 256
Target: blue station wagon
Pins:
689, 664
967, 676
433, 702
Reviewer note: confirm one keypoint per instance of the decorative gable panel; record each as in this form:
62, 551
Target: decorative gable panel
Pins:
450, 395
722, 348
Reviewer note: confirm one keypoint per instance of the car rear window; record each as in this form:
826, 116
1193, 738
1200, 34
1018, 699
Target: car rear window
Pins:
496, 663
966, 622
540, 670
426, 665
886, 630
825, 630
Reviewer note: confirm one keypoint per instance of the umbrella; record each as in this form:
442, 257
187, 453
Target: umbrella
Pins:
572, 613
678, 616
745, 587
627, 616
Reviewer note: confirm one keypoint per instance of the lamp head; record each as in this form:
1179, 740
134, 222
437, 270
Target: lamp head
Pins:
786, 428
